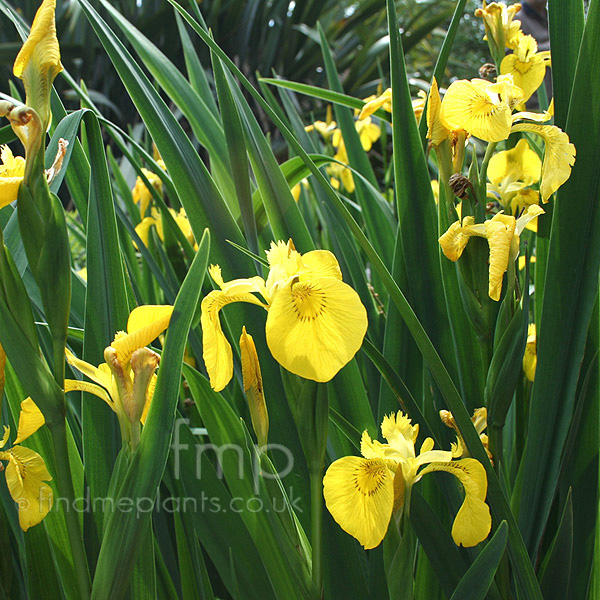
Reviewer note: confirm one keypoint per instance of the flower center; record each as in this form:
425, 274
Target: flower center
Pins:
309, 300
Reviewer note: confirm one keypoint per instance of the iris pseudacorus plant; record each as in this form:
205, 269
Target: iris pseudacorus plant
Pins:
363, 493
315, 324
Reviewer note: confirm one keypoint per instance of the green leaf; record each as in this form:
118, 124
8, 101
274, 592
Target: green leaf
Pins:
476, 582
573, 263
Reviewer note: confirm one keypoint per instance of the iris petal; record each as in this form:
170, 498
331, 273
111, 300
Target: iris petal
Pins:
359, 494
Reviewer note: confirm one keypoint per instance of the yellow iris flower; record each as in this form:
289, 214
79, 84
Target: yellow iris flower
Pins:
500, 24
510, 172
38, 61
126, 380
530, 356
368, 132
526, 65
339, 172
143, 228
362, 493
481, 108
315, 323
12, 171
484, 110
26, 473
502, 233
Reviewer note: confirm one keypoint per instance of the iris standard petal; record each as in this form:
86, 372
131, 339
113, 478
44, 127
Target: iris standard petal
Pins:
145, 324
359, 494
315, 327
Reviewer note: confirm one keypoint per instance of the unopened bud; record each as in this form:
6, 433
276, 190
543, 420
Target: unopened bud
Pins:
487, 71
253, 386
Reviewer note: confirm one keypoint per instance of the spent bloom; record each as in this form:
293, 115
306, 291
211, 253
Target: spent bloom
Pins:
362, 493
315, 323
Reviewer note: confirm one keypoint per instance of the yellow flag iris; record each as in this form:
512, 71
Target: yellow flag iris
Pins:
26, 474
374, 103
499, 23
502, 233
480, 107
362, 493
126, 380
511, 172
315, 323
526, 65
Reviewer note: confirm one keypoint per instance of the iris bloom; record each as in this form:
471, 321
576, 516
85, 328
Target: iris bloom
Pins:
484, 110
526, 65
339, 172
38, 61
481, 108
12, 171
362, 493
26, 474
127, 379
510, 172
499, 23
143, 228
315, 323
502, 233
530, 356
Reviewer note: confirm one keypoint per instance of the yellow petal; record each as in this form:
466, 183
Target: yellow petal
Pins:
12, 171
25, 476
530, 356
145, 324
253, 386
216, 350
526, 66
143, 229
320, 263
520, 163
499, 240
437, 131
149, 396
454, 240
30, 420
383, 101
5, 435
473, 521
359, 494
97, 374
476, 107
72, 385
38, 61
559, 156
315, 327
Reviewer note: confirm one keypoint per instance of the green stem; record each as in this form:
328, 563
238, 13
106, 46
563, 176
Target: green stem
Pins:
316, 521
65, 488
489, 152
58, 358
